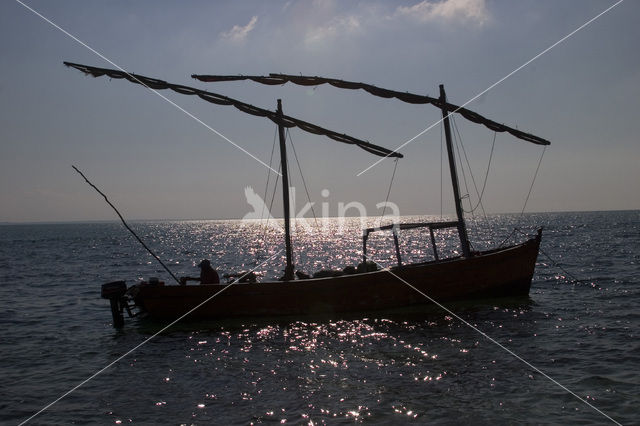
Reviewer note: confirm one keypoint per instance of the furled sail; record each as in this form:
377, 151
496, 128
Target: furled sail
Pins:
274, 79
215, 98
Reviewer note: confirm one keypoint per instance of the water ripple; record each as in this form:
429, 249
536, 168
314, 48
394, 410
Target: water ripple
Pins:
419, 366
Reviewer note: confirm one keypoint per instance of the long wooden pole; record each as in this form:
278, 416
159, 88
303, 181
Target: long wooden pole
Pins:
126, 225
288, 272
462, 228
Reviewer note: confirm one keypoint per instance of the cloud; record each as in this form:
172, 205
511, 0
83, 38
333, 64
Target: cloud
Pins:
336, 26
238, 33
451, 10
324, 24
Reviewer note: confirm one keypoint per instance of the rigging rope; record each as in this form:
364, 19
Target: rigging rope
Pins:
486, 175
556, 264
478, 193
457, 142
265, 223
533, 181
302, 176
393, 175
473, 179
275, 187
535, 175
266, 187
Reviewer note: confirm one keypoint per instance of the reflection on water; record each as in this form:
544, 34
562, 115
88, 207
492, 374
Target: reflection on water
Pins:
420, 365
330, 369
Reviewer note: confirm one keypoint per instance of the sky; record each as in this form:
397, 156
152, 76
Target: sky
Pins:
171, 157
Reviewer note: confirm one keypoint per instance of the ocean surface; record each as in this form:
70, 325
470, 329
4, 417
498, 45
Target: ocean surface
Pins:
409, 366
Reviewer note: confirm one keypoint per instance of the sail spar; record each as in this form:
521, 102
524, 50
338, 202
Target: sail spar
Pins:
275, 79
215, 98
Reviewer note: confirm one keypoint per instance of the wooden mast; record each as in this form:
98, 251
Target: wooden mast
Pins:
288, 271
462, 228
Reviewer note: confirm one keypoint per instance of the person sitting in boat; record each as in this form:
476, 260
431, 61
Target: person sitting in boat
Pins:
208, 275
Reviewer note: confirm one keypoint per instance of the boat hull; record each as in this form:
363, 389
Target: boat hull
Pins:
501, 272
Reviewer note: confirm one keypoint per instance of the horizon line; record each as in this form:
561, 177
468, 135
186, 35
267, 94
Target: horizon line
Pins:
89, 221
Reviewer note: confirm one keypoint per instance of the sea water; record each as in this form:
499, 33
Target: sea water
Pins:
426, 365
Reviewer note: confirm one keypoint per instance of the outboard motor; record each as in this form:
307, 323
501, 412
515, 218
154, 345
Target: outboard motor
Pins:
115, 291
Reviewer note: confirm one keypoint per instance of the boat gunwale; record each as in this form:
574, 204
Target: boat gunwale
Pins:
391, 270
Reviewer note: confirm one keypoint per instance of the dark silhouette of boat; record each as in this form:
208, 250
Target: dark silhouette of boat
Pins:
503, 271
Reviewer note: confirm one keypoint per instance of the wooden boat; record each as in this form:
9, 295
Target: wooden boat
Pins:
503, 271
